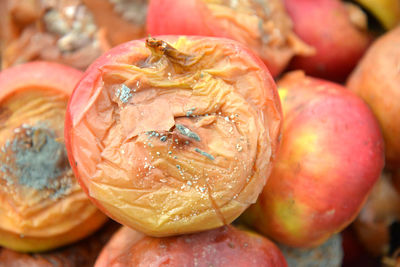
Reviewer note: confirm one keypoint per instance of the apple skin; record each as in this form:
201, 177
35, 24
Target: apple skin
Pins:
224, 246
330, 157
377, 81
326, 25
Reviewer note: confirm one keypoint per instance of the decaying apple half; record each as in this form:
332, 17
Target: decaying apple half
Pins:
41, 204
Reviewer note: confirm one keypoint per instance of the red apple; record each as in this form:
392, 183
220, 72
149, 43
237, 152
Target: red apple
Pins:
330, 158
339, 40
220, 247
376, 80
263, 26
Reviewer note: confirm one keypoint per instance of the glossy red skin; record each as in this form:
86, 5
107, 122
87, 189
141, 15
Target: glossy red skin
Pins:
330, 157
187, 17
36, 75
224, 246
325, 25
123, 53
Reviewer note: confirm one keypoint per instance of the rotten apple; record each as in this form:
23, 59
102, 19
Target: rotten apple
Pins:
72, 32
41, 204
174, 135
263, 26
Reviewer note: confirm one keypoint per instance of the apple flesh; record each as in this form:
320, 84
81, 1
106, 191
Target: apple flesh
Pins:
330, 157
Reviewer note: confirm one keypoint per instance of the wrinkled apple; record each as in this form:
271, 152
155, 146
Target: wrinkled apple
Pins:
174, 135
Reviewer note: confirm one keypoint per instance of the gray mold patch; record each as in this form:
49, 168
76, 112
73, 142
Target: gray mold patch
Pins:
187, 132
123, 94
39, 161
209, 156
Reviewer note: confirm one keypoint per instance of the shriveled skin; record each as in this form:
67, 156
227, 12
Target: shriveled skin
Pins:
263, 26
42, 205
338, 35
380, 211
377, 81
174, 137
330, 157
224, 246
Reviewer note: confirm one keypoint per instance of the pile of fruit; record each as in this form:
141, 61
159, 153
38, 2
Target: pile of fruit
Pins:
211, 132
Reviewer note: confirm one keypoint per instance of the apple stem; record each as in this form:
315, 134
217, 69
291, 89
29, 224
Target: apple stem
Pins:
161, 48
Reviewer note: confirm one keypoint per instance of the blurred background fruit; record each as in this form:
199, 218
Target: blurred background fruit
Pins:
338, 33
376, 80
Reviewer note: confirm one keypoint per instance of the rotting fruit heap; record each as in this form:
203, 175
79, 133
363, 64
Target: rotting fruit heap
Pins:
179, 134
